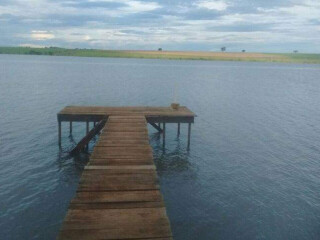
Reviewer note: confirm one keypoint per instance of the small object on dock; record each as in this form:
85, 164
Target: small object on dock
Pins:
175, 106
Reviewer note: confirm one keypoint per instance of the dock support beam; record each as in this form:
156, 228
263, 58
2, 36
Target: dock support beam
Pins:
156, 126
70, 127
59, 132
189, 135
164, 135
178, 129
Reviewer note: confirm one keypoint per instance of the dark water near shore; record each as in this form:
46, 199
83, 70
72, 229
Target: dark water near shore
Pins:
253, 171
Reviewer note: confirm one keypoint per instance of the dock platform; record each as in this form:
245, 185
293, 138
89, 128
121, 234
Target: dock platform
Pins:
118, 195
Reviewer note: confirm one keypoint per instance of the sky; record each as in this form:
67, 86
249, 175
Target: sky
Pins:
192, 25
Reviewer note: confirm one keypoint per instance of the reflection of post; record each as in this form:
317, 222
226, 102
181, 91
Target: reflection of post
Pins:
164, 134
59, 130
178, 129
94, 123
70, 127
189, 135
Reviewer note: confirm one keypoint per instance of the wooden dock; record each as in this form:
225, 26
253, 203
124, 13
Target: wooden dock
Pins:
118, 195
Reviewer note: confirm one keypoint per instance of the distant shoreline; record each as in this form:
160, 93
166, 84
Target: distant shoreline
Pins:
176, 55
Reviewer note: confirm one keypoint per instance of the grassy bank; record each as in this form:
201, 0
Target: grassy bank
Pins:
218, 56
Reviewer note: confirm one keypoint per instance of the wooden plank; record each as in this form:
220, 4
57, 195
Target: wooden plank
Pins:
124, 177
122, 156
123, 141
124, 138
131, 232
116, 205
111, 216
118, 187
125, 167
134, 148
119, 180
120, 162
126, 129
118, 196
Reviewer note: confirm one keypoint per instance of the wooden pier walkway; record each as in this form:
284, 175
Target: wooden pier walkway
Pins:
118, 195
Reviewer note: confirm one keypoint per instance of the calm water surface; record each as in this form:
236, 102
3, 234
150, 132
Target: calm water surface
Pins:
253, 171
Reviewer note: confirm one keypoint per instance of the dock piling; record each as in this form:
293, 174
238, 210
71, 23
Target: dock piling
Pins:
87, 128
87, 131
189, 135
70, 127
164, 134
59, 131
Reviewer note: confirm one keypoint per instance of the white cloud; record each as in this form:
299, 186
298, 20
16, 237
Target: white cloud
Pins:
31, 45
41, 9
42, 35
303, 12
137, 6
212, 5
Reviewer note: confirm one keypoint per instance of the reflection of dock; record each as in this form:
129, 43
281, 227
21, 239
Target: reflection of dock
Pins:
118, 196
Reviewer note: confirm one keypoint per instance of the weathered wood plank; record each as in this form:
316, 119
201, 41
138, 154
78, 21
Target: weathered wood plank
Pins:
132, 168
116, 205
118, 196
119, 162
131, 232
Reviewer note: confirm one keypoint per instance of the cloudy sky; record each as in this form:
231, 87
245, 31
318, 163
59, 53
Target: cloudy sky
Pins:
254, 25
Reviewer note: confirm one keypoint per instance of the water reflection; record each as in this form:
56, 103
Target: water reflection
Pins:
171, 159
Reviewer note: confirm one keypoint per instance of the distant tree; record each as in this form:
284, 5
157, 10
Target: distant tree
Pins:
33, 52
223, 49
295, 51
160, 49
243, 51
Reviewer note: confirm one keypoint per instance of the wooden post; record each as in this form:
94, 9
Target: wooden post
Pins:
87, 146
94, 123
87, 128
59, 132
159, 125
189, 135
178, 129
164, 135
70, 127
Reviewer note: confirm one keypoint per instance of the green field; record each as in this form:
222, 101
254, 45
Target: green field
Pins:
186, 55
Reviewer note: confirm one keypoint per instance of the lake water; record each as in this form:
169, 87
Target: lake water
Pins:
253, 171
